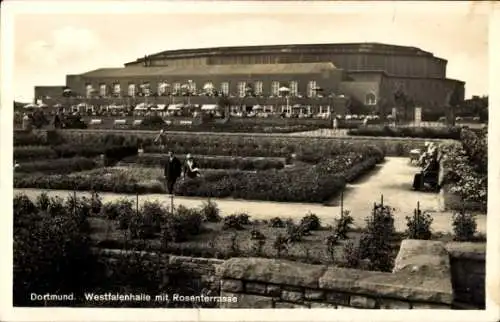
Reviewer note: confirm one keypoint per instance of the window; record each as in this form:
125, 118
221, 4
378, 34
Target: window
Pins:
370, 99
89, 90
224, 87
275, 88
102, 89
242, 89
117, 89
258, 88
294, 88
311, 89
131, 90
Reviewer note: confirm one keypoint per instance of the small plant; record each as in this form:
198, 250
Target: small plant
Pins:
210, 211
276, 222
257, 235
343, 224
232, 222
243, 218
280, 245
42, 201
419, 225
296, 232
258, 244
234, 246
57, 207
351, 255
464, 226
311, 222
375, 242
23, 205
96, 202
331, 242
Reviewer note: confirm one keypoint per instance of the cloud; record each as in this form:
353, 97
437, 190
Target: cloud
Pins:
64, 45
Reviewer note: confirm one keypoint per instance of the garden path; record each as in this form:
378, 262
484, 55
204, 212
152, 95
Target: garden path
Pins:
393, 179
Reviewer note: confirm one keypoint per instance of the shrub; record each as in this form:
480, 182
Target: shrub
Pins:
343, 224
311, 222
57, 207
122, 209
257, 235
331, 242
59, 166
22, 205
352, 256
211, 211
280, 245
232, 222
183, 223
276, 222
464, 226
375, 242
419, 225
234, 246
295, 233
148, 222
42, 201
96, 203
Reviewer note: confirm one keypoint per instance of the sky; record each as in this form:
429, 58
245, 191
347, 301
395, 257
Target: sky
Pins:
47, 45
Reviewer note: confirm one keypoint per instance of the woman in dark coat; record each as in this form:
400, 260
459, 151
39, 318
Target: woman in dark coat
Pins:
191, 168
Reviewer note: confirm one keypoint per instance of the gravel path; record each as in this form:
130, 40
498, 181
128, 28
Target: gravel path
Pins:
393, 179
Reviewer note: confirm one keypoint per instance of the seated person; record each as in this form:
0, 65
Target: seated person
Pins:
191, 168
429, 173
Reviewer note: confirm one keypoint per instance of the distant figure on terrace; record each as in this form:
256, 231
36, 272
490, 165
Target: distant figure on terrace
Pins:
430, 171
335, 124
191, 169
161, 139
172, 171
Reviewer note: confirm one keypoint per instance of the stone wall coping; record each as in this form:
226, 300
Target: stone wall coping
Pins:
467, 250
173, 259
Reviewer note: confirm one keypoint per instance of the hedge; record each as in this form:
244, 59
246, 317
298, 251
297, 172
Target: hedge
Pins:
115, 152
204, 162
60, 166
411, 132
315, 183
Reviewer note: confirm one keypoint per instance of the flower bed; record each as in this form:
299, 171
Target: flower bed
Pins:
463, 186
205, 162
315, 183
59, 166
412, 132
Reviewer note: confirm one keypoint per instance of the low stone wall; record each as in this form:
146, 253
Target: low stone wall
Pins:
421, 279
468, 272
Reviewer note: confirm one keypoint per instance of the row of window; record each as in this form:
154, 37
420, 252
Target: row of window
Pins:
243, 88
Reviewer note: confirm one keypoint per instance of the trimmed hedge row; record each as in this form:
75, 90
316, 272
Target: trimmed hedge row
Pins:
151, 160
411, 132
60, 166
112, 152
246, 145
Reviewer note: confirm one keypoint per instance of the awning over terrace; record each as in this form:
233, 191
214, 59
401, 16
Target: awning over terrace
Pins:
209, 107
174, 107
141, 107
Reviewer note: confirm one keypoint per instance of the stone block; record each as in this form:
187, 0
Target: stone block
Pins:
362, 302
393, 304
319, 305
338, 298
314, 294
273, 271
431, 256
273, 290
246, 301
427, 306
285, 305
231, 285
259, 288
292, 296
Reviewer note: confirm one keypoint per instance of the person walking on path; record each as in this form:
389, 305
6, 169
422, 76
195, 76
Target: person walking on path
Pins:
161, 139
172, 171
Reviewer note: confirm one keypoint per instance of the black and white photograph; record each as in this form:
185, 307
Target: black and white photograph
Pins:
249, 155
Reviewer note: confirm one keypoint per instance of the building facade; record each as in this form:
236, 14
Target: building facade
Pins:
368, 74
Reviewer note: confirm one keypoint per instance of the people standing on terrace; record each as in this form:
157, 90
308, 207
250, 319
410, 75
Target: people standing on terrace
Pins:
172, 171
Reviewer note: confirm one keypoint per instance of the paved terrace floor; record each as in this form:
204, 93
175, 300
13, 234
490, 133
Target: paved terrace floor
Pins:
393, 179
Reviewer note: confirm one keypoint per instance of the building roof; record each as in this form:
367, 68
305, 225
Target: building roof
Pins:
367, 47
133, 71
